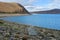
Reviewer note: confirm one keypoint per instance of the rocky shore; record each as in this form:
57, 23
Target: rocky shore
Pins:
15, 31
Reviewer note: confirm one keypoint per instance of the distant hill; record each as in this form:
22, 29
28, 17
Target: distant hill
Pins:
53, 11
12, 8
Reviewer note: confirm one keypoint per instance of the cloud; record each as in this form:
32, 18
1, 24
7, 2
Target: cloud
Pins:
12, 1
31, 0
52, 5
35, 8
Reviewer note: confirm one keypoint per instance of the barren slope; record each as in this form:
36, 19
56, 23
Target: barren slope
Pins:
12, 7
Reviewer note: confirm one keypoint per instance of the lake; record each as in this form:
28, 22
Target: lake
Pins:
51, 21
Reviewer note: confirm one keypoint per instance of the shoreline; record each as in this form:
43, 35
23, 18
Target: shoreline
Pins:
7, 15
27, 25
15, 30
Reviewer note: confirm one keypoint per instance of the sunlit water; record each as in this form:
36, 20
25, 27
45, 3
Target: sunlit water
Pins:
51, 21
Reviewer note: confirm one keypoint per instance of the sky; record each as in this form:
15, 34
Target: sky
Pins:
37, 5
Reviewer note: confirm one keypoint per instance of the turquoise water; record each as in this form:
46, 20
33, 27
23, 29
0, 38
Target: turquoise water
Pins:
51, 21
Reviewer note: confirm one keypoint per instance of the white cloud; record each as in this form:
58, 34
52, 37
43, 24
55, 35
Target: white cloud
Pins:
31, 0
35, 8
12, 1
52, 5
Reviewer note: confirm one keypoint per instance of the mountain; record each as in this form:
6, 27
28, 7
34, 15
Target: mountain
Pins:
6, 7
53, 11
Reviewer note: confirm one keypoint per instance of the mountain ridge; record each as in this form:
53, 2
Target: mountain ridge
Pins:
52, 11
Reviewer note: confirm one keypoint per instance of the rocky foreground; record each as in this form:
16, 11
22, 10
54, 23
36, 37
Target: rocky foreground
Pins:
15, 31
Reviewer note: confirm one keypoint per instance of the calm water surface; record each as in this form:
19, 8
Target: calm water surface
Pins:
42, 20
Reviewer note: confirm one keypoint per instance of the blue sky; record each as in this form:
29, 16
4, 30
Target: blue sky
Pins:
37, 5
